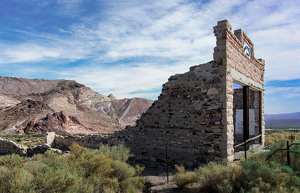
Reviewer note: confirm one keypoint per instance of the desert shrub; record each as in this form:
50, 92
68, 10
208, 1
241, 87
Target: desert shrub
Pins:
105, 170
119, 152
269, 177
281, 156
53, 179
12, 161
255, 176
122, 170
129, 185
252, 175
90, 163
128, 176
5, 176
273, 137
218, 177
51, 172
182, 178
13, 178
16, 181
277, 140
82, 171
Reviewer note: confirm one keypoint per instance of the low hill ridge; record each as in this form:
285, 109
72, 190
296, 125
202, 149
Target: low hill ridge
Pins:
95, 112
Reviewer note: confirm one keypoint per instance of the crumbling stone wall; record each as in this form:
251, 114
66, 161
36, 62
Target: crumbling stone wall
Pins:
192, 120
186, 119
89, 141
8, 147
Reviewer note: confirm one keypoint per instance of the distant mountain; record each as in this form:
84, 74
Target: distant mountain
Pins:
283, 116
282, 121
63, 106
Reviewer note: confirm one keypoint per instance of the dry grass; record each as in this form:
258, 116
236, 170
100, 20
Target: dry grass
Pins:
27, 140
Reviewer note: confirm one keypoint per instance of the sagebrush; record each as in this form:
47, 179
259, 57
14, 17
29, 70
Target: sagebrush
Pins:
252, 175
82, 171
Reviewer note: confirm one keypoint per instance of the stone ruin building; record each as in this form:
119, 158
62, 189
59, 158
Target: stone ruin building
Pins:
200, 116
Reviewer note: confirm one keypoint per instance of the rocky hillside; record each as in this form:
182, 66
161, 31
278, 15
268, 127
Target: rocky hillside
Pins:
63, 106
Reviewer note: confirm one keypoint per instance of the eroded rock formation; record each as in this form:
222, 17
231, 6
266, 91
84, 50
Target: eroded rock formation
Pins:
25, 104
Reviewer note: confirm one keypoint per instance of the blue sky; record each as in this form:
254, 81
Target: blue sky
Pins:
130, 48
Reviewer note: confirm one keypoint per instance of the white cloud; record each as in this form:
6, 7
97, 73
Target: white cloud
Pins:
69, 7
167, 36
32, 52
282, 99
122, 80
285, 92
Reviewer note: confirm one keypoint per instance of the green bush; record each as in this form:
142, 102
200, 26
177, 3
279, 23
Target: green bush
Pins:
120, 152
251, 175
82, 171
273, 137
218, 177
281, 156
182, 178
16, 181
12, 161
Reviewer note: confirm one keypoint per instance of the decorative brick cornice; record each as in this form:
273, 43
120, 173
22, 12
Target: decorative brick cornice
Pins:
237, 44
234, 40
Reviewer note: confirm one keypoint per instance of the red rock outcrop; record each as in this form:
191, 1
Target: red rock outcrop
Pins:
25, 102
59, 122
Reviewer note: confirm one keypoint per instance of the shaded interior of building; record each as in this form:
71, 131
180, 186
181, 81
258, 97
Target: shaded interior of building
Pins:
247, 115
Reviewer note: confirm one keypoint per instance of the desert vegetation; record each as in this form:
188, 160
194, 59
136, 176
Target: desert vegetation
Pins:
106, 170
275, 136
84, 170
27, 140
252, 175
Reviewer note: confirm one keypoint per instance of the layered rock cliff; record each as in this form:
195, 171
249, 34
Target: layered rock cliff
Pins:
64, 106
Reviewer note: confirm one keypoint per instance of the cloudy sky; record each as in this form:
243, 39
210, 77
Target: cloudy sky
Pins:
130, 48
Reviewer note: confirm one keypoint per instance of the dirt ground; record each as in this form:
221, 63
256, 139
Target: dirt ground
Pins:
156, 182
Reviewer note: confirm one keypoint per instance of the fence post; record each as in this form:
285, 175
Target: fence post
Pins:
288, 153
167, 164
245, 149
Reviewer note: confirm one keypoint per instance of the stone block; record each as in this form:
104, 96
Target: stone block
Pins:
212, 91
49, 137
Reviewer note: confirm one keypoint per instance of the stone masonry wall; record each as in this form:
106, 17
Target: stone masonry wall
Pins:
230, 55
187, 119
192, 120
90, 141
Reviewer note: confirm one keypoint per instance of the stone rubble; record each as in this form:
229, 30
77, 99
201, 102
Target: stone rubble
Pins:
10, 147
